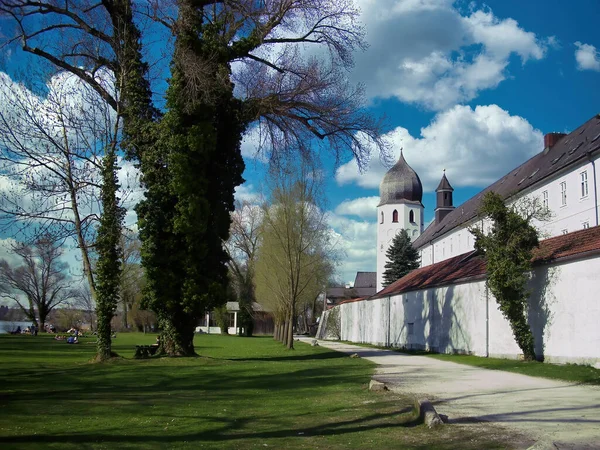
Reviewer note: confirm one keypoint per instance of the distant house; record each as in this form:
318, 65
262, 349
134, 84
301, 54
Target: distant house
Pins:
364, 286
263, 320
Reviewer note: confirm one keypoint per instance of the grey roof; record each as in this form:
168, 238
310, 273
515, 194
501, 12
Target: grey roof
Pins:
401, 184
571, 149
365, 280
444, 184
235, 306
336, 292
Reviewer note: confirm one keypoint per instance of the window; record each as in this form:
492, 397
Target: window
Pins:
545, 199
451, 246
565, 231
586, 225
411, 328
411, 216
584, 184
395, 216
381, 220
563, 193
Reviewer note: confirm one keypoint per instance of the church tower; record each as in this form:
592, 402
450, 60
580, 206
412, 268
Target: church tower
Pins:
444, 204
400, 207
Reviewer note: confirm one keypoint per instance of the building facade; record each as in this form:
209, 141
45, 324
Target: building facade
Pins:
562, 177
400, 207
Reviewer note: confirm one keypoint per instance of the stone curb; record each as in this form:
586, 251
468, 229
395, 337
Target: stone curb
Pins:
377, 386
427, 413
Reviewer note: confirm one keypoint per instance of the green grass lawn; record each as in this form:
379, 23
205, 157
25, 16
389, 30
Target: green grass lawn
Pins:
239, 394
565, 372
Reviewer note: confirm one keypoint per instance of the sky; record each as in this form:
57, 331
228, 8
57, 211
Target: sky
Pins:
469, 87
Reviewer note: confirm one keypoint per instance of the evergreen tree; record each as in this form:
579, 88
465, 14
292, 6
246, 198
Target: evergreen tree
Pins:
402, 258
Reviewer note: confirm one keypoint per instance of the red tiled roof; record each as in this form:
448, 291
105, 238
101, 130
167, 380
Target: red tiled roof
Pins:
467, 265
571, 244
352, 300
471, 265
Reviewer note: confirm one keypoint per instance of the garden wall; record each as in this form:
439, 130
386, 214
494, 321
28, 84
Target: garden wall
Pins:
464, 318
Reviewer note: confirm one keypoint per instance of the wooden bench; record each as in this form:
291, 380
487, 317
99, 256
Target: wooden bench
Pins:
145, 351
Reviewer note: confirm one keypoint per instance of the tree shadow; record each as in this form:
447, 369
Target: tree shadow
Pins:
540, 301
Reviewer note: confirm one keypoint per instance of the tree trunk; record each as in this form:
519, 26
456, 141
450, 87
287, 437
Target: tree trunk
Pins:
286, 326
290, 333
103, 347
177, 339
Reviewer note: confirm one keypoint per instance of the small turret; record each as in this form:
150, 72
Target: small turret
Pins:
444, 199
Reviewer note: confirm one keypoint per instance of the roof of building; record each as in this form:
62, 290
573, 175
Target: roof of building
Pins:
365, 279
235, 306
444, 184
571, 149
472, 265
401, 184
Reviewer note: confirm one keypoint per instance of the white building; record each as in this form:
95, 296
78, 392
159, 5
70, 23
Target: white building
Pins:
563, 177
445, 306
400, 207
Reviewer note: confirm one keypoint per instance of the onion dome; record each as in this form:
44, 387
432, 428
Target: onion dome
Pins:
401, 184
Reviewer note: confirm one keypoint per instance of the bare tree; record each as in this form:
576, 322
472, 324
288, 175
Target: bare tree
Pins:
242, 248
41, 283
276, 63
84, 302
296, 256
51, 159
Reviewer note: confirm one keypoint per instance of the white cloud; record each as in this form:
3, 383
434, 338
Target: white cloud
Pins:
587, 57
247, 193
358, 241
475, 146
363, 207
426, 52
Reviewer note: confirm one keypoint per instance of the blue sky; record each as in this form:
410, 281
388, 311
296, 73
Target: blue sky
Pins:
470, 87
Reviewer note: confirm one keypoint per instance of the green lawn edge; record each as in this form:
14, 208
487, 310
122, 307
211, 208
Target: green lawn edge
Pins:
574, 373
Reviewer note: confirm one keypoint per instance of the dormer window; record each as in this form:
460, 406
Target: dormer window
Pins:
395, 216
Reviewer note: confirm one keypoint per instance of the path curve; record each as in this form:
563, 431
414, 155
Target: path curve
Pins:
556, 414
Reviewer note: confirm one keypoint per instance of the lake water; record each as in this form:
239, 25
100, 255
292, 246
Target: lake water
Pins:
6, 326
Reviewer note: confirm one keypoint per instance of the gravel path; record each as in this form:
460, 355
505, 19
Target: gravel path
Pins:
557, 415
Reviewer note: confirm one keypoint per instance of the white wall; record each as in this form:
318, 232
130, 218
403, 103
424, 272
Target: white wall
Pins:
387, 230
571, 217
564, 317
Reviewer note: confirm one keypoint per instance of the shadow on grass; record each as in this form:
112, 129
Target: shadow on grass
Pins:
230, 431
293, 357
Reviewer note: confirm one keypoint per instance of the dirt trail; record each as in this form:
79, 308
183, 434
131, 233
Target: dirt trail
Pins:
557, 415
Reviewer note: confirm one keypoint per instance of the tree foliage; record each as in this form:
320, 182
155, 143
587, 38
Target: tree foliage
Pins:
296, 256
41, 283
190, 157
508, 253
402, 258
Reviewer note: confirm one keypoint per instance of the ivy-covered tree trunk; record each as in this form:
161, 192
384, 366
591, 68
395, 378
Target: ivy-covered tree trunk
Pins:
186, 217
108, 270
177, 340
508, 253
